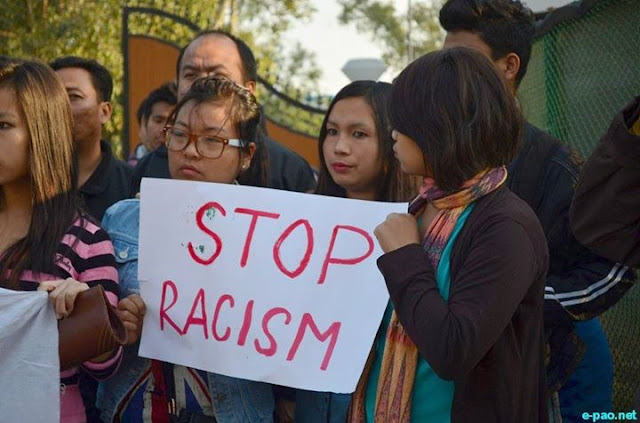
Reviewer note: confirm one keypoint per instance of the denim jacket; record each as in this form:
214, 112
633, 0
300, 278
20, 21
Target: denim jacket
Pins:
233, 400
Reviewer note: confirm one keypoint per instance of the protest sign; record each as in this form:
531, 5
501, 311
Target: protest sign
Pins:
29, 368
260, 284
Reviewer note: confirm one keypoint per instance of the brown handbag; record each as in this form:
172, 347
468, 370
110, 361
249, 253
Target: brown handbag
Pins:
92, 328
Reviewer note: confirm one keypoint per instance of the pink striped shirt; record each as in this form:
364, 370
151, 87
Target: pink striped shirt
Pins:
85, 254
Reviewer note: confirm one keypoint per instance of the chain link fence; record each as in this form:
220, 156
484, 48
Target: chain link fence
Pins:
585, 67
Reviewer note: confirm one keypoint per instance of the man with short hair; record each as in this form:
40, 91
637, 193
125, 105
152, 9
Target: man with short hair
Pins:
580, 285
152, 115
218, 52
102, 179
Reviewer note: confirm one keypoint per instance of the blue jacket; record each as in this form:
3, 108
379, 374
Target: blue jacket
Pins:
228, 399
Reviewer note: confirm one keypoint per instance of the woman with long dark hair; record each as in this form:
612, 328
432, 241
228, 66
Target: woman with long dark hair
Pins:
465, 268
46, 241
355, 147
356, 161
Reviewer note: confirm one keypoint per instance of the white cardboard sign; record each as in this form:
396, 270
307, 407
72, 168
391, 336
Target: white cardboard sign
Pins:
261, 284
29, 368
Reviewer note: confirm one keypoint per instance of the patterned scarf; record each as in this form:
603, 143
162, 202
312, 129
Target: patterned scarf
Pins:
400, 357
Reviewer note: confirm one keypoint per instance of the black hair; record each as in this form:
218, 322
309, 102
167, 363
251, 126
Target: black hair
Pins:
166, 93
506, 26
457, 108
392, 184
100, 76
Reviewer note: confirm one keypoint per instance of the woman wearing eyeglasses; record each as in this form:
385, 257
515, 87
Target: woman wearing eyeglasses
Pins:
210, 137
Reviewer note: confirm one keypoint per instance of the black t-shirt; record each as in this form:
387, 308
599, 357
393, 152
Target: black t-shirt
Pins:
108, 184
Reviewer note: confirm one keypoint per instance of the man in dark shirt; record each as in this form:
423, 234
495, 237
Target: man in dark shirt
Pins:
152, 116
580, 285
220, 53
103, 179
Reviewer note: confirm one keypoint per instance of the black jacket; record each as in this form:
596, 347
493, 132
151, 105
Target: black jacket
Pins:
605, 215
580, 285
488, 336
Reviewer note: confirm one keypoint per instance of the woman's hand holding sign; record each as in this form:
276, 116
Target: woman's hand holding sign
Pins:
398, 230
131, 310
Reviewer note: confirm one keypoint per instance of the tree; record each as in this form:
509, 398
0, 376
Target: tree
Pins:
41, 29
294, 75
403, 37
46, 29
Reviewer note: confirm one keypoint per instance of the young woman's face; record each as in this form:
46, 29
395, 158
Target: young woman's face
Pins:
409, 154
14, 140
351, 149
207, 119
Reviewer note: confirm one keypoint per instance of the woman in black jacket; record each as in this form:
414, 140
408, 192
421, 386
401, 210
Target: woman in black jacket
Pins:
465, 268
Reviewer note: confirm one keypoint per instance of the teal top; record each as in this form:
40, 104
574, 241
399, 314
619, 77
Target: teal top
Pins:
432, 397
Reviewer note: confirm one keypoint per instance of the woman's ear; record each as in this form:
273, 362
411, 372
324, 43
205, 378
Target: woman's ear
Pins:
247, 156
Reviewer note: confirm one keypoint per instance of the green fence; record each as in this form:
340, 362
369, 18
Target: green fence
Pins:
585, 67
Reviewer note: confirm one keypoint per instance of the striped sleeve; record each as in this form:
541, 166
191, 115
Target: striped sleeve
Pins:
580, 285
599, 286
87, 254
91, 256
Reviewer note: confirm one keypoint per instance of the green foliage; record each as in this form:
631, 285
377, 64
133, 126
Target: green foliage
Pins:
401, 37
296, 75
41, 29
46, 29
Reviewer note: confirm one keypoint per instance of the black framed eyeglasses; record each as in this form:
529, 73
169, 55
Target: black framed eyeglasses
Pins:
209, 146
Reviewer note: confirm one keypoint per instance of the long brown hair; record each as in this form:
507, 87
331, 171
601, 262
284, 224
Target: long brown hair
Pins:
393, 185
44, 107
